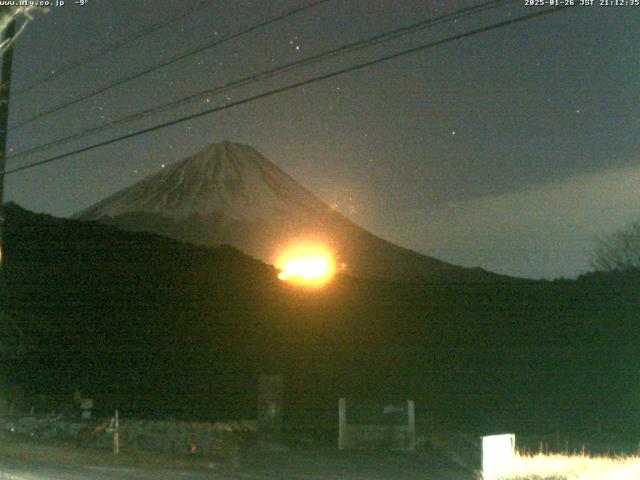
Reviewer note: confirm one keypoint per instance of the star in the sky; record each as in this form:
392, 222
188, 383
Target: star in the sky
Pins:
295, 45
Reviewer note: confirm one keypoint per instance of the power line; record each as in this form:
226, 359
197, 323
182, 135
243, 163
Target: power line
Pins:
354, 46
178, 58
286, 88
113, 47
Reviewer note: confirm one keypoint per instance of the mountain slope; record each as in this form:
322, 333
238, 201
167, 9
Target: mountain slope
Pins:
154, 326
226, 177
230, 194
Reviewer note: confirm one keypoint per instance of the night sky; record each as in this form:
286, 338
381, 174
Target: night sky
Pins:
510, 150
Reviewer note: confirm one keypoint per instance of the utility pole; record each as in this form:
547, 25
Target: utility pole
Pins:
5, 90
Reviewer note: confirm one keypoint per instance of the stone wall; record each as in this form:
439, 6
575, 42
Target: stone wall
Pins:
175, 437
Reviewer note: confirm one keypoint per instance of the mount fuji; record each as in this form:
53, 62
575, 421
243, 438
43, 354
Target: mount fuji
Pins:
229, 193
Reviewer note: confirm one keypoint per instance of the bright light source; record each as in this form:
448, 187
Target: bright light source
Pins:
305, 268
498, 453
310, 265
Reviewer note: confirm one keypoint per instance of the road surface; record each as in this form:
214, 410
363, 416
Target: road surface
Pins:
309, 464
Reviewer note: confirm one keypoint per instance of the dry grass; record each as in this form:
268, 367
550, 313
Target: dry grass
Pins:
69, 453
573, 467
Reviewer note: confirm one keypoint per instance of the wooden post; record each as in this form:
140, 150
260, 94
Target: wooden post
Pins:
342, 424
116, 435
411, 431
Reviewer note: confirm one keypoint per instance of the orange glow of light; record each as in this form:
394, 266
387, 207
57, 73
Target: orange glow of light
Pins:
306, 265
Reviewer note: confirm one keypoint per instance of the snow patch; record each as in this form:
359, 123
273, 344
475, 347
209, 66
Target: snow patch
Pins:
225, 178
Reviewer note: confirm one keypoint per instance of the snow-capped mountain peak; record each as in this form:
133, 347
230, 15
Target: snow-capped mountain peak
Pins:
230, 194
224, 178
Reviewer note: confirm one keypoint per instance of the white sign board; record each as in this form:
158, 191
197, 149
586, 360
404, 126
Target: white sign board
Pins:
498, 452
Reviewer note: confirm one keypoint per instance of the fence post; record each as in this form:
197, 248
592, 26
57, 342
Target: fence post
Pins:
116, 435
342, 423
411, 432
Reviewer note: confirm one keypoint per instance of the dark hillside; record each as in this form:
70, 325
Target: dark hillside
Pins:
157, 327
